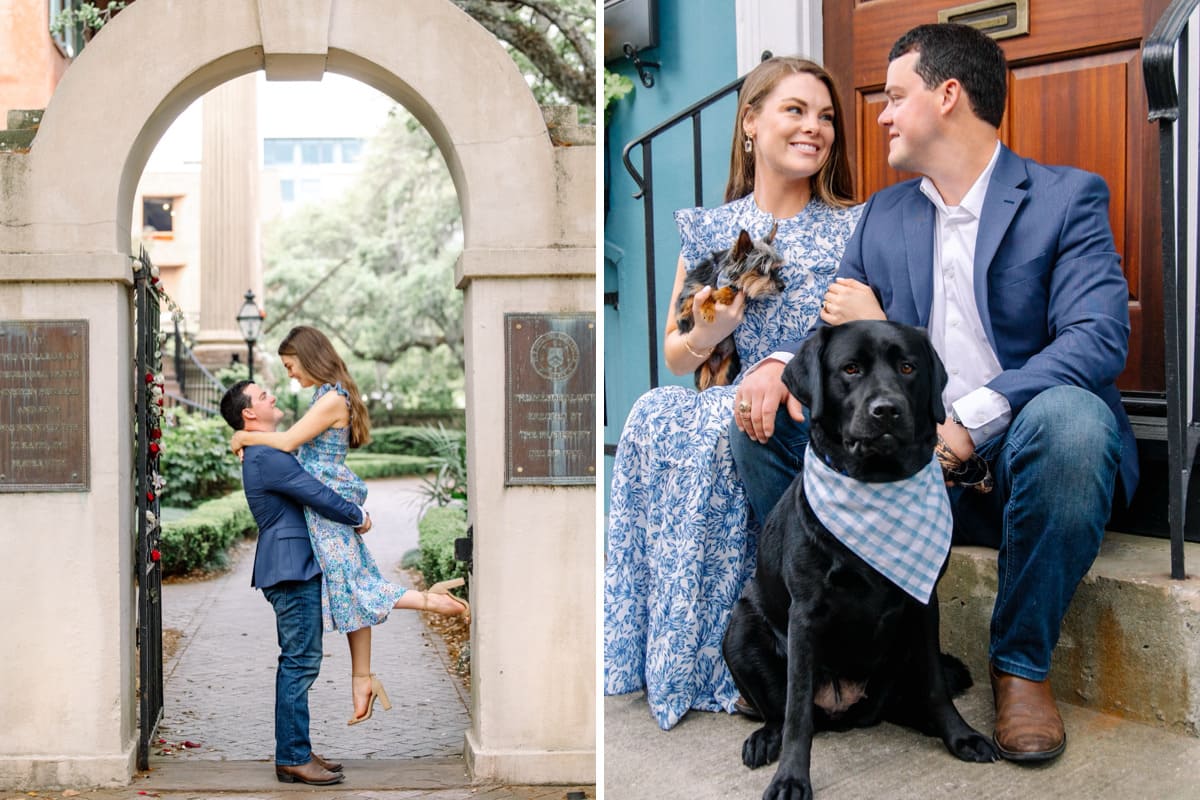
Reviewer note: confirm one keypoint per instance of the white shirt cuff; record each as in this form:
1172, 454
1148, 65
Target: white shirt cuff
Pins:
782, 356
984, 413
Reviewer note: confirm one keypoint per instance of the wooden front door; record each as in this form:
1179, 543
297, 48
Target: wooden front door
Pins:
1075, 97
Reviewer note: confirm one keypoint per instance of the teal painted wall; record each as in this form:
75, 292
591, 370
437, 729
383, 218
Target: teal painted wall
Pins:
697, 51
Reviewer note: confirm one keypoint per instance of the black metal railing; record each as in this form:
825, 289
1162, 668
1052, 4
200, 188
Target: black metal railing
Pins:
645, 184
198, 389
1167, 95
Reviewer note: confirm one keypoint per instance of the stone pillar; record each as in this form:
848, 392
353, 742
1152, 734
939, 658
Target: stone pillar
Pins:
229, 252
533, 635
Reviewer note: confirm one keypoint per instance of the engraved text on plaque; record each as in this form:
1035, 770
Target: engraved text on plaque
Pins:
550, 399
43, 406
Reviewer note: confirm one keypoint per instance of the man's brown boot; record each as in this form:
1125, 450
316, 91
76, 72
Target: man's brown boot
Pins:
1028, 725
332, 766
310, 772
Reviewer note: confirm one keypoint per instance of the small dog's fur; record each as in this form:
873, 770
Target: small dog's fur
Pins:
751, 266
819, 639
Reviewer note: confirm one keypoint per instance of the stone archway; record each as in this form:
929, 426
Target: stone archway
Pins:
68, 695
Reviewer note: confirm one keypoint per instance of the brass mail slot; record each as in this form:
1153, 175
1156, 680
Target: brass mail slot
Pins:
999, 20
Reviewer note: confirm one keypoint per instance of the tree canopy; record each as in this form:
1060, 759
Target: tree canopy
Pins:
552, 41
374, 269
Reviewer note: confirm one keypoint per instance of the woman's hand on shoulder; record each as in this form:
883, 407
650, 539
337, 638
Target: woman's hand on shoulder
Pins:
237, 444
847, 300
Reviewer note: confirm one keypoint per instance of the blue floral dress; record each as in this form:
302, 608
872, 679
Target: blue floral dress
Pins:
680, 541
353, 593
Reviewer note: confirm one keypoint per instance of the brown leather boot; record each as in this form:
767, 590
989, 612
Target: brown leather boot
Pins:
1028, 725
310, 772
332, 766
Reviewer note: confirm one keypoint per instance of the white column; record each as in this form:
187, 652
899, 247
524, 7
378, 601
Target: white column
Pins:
785, 27
229, 253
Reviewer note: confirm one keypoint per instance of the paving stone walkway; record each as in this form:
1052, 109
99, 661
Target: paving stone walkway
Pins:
219, 685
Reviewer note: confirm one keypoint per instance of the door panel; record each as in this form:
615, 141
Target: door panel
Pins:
1075, 97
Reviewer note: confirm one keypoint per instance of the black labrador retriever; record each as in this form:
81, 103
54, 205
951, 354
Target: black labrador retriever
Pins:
820, 640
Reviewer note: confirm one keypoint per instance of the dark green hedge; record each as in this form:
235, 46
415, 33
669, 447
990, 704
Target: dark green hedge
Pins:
383, 465
437, 530
410, 440
200, 539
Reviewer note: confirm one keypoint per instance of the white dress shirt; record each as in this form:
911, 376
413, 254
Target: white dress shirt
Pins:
955, 327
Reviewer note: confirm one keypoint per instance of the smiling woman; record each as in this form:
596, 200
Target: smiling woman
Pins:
681, 538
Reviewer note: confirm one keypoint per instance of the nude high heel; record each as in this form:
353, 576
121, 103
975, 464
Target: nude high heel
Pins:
376, 692
444, 587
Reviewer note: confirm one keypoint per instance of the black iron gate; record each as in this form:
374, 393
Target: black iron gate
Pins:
148, 393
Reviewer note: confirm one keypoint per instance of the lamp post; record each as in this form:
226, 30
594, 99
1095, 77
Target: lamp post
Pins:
250, 320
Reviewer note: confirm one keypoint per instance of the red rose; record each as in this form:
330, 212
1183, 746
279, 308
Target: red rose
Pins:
150, 496
155, 555
154, 448
156, 433
149, 377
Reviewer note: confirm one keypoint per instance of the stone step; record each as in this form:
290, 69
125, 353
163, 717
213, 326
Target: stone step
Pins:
25, 118
1129, 643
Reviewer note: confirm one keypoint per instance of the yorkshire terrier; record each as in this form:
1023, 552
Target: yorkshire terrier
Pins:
751, 266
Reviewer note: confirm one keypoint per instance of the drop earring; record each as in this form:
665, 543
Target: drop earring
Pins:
748, 145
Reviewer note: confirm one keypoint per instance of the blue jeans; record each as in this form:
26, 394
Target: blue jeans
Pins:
1055, 470
766, 470
297, 607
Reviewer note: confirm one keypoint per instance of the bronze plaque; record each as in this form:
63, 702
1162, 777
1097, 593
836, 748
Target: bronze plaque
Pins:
44, 406
550, 402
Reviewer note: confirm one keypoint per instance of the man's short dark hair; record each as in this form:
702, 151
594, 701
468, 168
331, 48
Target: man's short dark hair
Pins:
234, 403
950, 50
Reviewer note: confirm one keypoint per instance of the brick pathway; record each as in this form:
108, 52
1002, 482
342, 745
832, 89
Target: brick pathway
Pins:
219, 684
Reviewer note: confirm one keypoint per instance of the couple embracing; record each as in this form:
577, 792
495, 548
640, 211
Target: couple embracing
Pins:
310, 561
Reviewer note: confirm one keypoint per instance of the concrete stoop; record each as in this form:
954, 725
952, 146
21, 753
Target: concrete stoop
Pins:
1129, 643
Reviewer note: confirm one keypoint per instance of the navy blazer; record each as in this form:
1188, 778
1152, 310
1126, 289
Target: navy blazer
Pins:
277, 490
1048, 282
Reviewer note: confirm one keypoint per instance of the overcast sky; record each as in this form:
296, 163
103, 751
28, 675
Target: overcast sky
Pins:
336, 106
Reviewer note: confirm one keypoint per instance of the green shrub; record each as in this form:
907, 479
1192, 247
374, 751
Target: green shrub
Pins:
410, 440
196, 461
449, 481
436, 532
379, 465
200, 539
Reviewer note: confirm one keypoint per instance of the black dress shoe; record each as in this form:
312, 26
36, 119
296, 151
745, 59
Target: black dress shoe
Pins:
311, 773
332, 766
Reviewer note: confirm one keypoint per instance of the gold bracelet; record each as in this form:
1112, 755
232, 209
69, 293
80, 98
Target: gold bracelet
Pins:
688, 345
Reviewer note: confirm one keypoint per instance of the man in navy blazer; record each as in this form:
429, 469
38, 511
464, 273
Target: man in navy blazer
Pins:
1011, 268
277, 490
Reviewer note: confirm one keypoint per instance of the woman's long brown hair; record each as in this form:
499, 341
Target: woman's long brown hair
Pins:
833, 183
318, 358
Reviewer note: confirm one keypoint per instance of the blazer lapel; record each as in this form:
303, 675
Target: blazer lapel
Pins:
918, 246
1004, 196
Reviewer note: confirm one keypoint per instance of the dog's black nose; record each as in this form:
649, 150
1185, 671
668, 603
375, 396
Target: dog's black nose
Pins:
884, 409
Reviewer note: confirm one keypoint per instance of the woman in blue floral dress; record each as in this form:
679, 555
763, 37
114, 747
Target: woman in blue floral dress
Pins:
354, 595
681, 542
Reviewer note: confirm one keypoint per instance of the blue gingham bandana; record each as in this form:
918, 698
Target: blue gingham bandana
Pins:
901, 528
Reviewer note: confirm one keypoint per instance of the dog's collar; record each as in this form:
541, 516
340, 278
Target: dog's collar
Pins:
829, 463
902, 528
